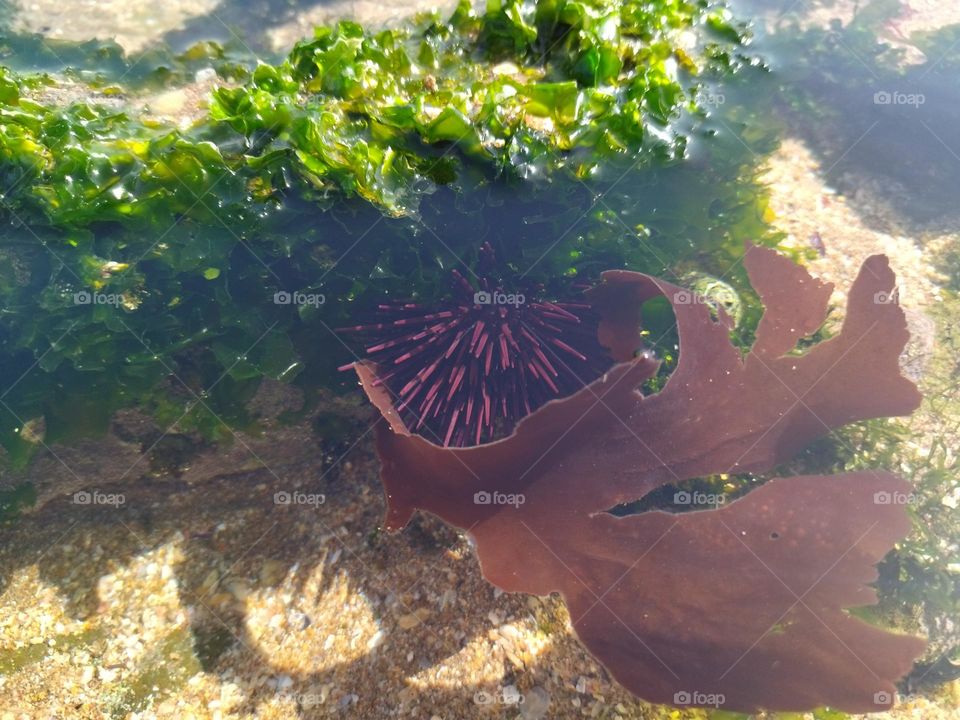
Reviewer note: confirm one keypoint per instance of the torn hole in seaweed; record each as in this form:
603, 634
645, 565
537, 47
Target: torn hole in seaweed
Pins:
698, 494
726, 289
863, 445
726, 305
660, 338
808, 342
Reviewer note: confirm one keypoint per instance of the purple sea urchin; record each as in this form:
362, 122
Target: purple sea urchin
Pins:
467, 370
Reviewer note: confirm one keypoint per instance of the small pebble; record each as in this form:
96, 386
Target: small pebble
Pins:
205, 75
347, 700
408, 621
511, 695
413, 619
536, 702
298, 620
272, 572
376, 640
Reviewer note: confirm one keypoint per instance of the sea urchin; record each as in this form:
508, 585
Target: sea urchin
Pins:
467, 370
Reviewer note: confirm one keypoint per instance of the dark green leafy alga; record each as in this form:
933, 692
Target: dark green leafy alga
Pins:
142, 261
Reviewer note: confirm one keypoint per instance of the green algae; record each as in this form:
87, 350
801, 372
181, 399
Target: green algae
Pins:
148, 265
17, 659
160, 674
210, 643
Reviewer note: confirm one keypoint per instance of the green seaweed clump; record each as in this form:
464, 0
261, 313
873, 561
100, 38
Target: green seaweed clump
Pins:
163, 266
524, 87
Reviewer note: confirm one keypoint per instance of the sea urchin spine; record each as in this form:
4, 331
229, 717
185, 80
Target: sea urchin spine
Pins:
468, 370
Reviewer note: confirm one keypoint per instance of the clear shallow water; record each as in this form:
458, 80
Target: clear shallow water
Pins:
861, 115
871, 110
680, 216
865, 113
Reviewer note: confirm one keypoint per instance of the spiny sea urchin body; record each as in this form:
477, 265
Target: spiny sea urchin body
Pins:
466, 371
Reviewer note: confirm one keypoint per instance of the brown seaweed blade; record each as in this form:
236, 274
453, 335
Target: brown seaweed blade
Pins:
741, 606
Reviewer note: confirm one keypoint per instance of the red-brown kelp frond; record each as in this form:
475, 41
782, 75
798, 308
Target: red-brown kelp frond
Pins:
743, 605
465, 371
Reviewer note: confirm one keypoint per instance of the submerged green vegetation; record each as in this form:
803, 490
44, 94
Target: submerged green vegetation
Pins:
525, 88
14, 499
143, 263
165, 267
